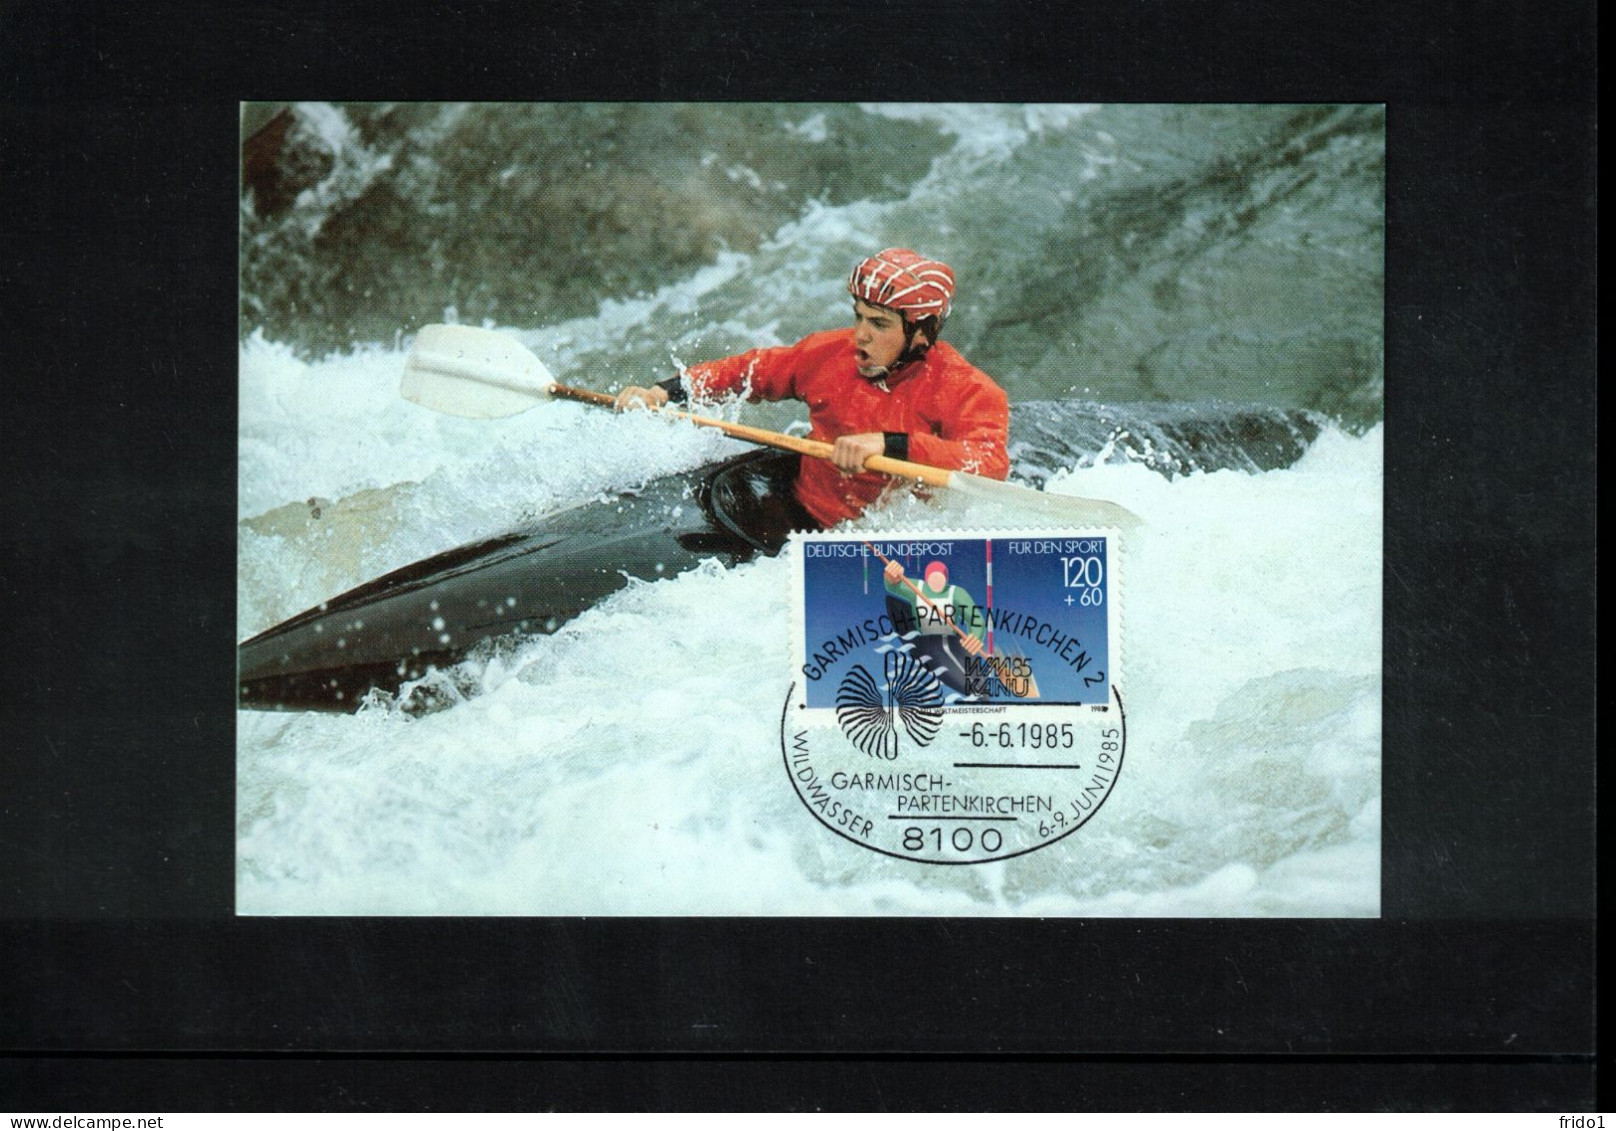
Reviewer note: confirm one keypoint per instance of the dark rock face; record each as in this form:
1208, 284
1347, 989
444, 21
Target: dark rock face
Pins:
359, 221
1117, 254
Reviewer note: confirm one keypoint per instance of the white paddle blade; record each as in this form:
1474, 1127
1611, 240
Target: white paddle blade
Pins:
1066, 508
466, 371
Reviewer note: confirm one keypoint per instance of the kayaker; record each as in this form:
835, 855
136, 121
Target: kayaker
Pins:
938, 608
885, 386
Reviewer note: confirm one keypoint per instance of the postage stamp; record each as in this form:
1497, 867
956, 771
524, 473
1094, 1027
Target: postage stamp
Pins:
955, 696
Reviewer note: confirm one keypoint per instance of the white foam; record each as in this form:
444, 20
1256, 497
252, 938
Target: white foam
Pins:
329, 429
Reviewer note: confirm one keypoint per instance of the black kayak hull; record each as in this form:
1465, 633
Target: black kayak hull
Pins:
434, 613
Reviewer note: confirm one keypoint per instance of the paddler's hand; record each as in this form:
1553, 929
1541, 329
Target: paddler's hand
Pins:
850, 452
893, 573
635, 397
971, 645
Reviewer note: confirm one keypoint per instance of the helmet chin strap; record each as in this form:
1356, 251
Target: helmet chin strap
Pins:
915, 344
877, 375
913, 350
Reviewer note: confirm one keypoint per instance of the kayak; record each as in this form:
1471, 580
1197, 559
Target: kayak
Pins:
434, 613
438, 612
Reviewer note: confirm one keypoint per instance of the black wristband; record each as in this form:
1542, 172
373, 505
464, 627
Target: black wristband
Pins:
897, 446
675, 388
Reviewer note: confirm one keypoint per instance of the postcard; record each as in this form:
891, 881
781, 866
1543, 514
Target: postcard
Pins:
810, 510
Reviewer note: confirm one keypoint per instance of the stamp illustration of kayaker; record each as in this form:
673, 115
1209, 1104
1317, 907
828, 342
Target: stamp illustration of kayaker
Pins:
930, 724
945, 615
1039, 634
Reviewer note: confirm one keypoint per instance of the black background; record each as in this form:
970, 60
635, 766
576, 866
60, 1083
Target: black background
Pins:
126, 984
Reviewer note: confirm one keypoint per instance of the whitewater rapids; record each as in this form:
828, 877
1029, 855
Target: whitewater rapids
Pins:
630, 764
1131, 274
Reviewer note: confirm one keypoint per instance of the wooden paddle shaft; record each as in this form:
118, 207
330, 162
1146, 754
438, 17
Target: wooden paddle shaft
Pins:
1000, 664
901, 468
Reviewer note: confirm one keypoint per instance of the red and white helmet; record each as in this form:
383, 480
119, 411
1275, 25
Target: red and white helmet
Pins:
905, 281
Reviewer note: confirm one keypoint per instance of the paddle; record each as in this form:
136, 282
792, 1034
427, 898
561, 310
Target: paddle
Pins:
467, 371
1021, 687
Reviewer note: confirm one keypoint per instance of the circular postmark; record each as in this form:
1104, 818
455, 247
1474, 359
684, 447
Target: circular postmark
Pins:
902, 774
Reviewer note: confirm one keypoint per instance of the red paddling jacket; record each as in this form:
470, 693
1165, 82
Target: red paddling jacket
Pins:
940, 410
